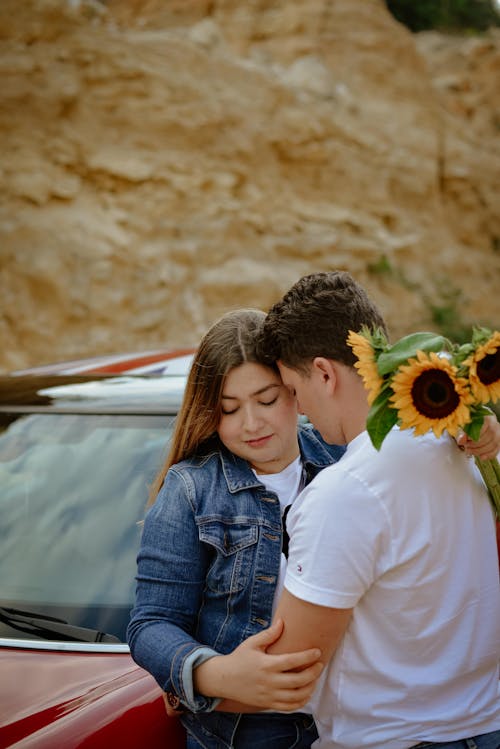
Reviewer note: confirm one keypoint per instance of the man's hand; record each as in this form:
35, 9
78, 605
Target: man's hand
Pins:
488, 444
250, 679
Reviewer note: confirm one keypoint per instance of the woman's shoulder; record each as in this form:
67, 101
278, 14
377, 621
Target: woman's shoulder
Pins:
189, 477
202, 460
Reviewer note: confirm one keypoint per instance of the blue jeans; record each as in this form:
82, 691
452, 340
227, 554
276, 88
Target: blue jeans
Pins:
266, 731
484, 741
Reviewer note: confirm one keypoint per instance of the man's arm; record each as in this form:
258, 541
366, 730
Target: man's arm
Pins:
309, 626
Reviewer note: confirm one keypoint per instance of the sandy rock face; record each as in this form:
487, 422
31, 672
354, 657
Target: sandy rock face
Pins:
163, 162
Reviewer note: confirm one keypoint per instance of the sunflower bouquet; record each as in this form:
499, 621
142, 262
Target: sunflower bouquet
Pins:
424, 381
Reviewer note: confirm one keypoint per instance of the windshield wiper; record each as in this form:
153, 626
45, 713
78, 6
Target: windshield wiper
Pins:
50, 628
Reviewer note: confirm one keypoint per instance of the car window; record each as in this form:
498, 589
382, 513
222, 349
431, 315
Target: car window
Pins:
74, 489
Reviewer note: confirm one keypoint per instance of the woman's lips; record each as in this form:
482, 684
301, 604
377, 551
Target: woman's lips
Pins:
260, 442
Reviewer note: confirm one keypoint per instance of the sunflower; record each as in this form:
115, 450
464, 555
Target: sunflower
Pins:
429, 395
366, 364
484, 370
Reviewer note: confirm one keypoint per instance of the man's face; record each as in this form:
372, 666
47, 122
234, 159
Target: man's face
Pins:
314, 399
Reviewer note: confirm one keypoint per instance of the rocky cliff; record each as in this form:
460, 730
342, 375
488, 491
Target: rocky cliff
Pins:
164, 161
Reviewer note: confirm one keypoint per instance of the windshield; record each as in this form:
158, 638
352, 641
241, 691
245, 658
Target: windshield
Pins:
73, 492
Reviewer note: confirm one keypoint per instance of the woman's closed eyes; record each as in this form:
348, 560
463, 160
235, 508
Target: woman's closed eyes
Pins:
228, 412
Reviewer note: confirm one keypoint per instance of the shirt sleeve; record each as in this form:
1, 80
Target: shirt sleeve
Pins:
339, 540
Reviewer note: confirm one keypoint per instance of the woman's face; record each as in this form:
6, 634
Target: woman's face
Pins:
259, 418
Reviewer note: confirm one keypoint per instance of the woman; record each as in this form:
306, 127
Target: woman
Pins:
211, 554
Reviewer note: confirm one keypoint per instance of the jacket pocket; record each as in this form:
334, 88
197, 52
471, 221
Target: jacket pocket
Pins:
233, 548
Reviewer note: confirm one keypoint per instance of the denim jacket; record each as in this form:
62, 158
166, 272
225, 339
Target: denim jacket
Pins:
207, 570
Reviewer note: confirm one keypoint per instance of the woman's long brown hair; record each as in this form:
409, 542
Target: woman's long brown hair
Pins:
230, 342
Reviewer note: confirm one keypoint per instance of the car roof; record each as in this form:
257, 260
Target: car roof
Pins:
159, 361
142, 382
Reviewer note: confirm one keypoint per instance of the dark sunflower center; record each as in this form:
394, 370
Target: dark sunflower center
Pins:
434, 394
488, 368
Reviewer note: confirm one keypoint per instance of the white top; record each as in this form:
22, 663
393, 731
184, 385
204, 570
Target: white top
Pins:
406, 536
287, 485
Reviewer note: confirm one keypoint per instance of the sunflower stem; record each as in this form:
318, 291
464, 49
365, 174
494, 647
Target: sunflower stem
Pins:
490, 471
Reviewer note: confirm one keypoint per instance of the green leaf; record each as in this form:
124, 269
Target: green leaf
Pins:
480, 335
381, 419
376, 338
473, 428
407, 348
461, 353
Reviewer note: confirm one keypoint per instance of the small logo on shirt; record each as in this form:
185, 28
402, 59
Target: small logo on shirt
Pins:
299, 568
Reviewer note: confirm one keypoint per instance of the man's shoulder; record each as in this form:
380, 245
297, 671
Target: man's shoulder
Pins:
415, 462
404, 445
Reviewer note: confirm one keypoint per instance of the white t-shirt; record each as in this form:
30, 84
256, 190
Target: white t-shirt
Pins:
406, 536
286, 484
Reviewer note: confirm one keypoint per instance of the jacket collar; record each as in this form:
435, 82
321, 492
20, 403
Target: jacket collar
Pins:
239, 475
313, 450
237, 472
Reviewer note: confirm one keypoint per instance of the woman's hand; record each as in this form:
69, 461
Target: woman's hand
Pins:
250, 679
488, 444
173, 706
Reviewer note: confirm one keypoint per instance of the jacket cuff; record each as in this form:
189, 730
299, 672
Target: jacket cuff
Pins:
197, 702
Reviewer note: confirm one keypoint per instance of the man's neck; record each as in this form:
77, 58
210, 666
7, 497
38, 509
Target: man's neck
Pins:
356, 409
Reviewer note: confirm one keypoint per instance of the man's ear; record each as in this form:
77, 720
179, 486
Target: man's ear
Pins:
326, 370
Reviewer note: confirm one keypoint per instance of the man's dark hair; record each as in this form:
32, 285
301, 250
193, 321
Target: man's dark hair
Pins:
314, 319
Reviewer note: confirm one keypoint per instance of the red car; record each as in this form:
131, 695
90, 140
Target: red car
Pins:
79, 445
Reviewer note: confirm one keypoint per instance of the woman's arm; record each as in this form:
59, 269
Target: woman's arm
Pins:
171, 572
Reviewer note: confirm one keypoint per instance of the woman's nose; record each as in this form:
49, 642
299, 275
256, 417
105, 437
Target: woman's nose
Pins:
252, 419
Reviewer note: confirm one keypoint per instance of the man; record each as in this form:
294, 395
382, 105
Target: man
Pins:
392, 568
